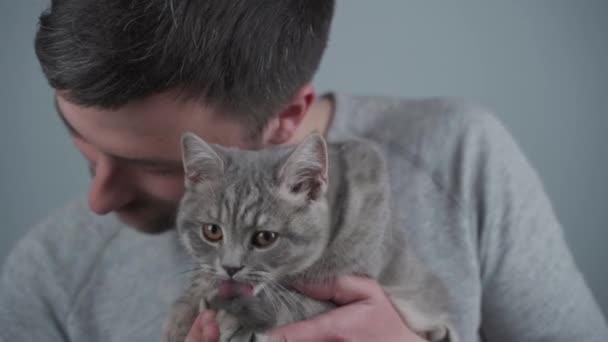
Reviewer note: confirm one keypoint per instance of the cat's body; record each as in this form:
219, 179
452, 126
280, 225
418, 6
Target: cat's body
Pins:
328, 211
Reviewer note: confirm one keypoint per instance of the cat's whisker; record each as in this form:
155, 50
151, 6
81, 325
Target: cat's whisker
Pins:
289, 295
292, 302
272, 299
295, 310
194, 270
276, 291
197, 271
199, 266
273, 295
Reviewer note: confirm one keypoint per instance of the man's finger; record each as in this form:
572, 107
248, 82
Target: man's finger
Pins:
211, 330
196, 332
204, 329
342, 290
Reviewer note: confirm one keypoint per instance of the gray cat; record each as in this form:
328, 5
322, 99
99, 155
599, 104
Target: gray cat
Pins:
255, 221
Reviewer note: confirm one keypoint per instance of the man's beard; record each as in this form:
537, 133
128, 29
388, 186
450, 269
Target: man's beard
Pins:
150, 216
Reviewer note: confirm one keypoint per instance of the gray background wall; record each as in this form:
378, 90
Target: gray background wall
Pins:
542, 66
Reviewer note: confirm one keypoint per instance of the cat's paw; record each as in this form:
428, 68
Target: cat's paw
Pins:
252, 312
228, 325
260, 337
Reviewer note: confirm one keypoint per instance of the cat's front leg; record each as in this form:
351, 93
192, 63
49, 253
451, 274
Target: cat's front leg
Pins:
231, 329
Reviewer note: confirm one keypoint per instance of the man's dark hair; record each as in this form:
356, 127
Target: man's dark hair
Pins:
243, 57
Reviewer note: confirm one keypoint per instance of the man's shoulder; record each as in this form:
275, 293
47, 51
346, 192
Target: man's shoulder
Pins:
72, 225
452, 141
69, 238
424, 129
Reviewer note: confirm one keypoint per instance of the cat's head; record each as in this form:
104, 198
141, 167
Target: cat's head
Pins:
254, 216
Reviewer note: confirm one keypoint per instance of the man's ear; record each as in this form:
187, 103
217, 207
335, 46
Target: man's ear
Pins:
282, 126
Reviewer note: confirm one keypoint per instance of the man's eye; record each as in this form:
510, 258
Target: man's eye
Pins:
163, 171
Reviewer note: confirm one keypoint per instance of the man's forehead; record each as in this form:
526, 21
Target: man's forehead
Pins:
150, 128
65, 122
149, 117
121, 133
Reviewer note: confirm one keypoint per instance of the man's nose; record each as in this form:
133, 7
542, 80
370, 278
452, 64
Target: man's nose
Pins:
108, 192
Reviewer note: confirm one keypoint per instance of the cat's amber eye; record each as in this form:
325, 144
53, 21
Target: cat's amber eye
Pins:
212, 232
264, 238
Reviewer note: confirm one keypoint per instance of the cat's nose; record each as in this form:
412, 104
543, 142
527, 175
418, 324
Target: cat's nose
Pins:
231, 270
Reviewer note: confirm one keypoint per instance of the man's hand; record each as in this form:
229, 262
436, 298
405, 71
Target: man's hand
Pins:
204, 329
364, 313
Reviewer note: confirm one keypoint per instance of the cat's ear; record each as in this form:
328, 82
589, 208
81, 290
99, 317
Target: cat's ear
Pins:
304, 174
201, 161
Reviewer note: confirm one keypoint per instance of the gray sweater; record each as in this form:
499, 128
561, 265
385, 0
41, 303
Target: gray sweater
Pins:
475, 213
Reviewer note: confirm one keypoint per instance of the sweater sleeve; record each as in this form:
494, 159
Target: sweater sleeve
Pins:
532, 288
32, 302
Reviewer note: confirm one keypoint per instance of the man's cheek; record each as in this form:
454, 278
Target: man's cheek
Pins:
166, 188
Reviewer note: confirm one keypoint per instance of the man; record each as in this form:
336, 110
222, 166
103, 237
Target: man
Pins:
131, 76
